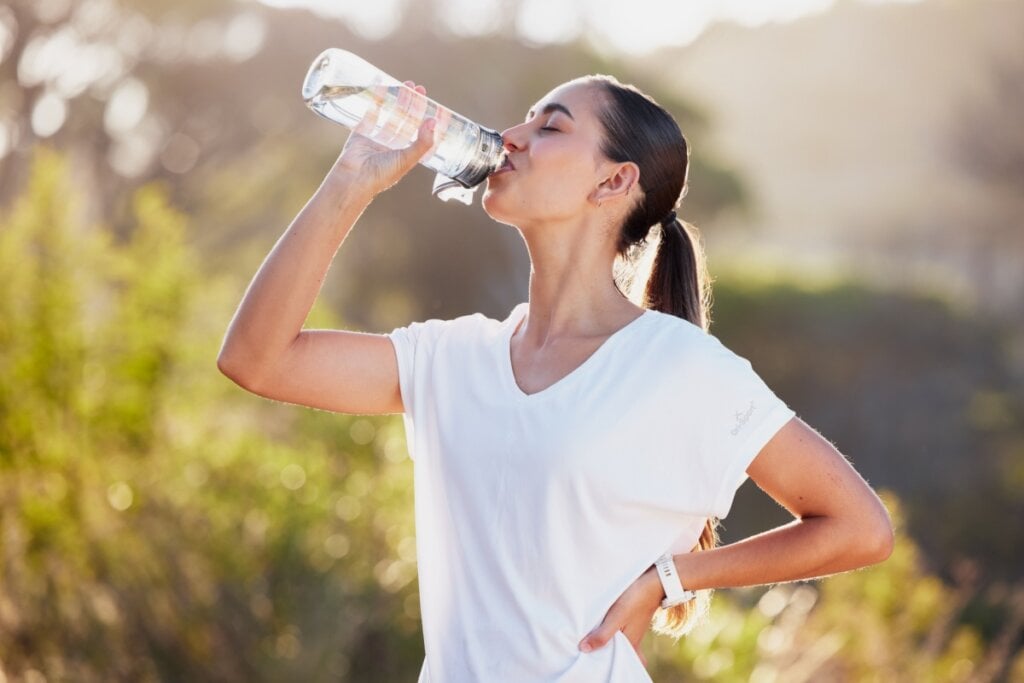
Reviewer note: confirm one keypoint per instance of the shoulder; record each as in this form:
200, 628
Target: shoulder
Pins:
671, 333
469, 326
679, 343
718, 387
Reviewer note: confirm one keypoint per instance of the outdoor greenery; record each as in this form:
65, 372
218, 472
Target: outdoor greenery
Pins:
157, 523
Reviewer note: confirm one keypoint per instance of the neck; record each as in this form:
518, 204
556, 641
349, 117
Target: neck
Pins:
572, 290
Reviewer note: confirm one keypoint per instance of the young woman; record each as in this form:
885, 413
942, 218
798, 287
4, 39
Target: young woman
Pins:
570, 457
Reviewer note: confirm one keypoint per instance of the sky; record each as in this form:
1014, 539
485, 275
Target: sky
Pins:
633, 27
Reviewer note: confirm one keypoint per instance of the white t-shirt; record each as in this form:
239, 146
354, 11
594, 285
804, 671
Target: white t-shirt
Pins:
534, 512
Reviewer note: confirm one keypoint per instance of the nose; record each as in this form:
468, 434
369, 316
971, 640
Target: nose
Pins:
511, 140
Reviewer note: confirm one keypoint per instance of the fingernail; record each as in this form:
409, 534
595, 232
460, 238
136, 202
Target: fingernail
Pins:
586, 647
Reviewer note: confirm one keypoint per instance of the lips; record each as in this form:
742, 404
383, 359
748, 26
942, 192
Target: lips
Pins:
506, 165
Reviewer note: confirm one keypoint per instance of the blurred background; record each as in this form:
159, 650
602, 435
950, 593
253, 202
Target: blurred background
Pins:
857, 177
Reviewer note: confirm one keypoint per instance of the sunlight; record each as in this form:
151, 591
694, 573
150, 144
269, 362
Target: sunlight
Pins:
126, 106
48, 115
541, 22
632, 28
471, 17
372, 21
244, 36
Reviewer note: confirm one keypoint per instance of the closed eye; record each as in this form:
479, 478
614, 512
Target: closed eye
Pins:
549, 128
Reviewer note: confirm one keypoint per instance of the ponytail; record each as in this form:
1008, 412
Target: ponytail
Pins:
638, 129
679, 285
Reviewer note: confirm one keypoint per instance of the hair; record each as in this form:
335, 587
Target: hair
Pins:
638, 129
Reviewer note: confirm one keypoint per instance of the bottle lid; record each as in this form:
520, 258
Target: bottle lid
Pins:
485, 161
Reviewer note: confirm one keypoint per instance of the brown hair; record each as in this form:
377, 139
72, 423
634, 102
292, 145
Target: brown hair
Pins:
638, 129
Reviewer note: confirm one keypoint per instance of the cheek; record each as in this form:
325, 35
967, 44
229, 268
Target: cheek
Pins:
561, 194
563, 190
529, 201
556, 184
560, 173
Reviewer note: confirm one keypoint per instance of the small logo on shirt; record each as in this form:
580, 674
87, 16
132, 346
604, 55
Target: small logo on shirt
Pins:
742, 418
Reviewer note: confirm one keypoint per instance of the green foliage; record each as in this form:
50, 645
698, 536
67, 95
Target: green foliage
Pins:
157, 523
151, 529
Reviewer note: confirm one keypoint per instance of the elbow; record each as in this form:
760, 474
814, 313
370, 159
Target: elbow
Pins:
228, 366
862, 541
235, 368
248, 364
885, 540
878, 541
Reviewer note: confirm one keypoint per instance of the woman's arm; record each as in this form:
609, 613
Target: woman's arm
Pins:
840, 525
840, 522
266, 350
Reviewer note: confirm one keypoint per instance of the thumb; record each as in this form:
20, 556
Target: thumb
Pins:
598, 637
424, 141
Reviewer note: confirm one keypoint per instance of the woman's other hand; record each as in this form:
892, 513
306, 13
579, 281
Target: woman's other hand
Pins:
631, 613
371, 165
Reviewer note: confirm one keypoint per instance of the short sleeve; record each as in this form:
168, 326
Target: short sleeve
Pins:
735, 415
414, 346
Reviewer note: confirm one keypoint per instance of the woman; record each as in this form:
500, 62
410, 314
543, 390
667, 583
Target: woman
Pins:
562, 452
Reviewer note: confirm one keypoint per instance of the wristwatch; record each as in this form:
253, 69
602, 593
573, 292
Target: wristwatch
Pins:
675, 594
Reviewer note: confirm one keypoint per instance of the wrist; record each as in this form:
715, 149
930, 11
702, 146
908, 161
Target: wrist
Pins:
673, 592
651, 587
654, 589
349, 185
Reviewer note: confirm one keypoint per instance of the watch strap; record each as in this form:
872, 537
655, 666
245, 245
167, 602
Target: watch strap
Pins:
675, 594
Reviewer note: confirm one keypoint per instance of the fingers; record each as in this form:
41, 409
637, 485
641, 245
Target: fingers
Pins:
418, 88
368, 123
417, 110
599, 637
405, 115
424, 140
392, 131
421, 147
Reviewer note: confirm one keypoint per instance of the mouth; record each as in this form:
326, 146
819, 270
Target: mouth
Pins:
506, 165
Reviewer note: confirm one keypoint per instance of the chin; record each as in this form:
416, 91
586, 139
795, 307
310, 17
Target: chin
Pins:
492, 205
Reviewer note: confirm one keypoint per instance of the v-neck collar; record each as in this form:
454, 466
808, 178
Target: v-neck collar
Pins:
512, 322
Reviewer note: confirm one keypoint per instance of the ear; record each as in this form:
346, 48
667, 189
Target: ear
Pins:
619, 182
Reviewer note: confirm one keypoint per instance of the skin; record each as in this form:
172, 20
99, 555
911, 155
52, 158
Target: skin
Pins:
567, 202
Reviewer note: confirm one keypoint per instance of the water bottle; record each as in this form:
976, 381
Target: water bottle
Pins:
346, 89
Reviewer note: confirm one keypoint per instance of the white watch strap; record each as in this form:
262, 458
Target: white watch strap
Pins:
675, 594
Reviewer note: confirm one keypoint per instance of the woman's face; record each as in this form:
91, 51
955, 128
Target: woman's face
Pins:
556, 159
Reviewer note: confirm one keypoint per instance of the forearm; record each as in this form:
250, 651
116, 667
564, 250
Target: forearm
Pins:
805, 548
281, 294
809, 547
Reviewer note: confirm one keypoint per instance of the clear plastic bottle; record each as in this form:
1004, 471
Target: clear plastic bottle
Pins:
347, 89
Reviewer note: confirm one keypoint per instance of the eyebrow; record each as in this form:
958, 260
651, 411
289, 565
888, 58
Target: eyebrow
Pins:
554, 106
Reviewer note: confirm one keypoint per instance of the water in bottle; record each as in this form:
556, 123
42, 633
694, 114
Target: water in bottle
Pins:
349, 90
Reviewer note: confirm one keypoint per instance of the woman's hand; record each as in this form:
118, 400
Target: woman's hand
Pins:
371, 165
631, 613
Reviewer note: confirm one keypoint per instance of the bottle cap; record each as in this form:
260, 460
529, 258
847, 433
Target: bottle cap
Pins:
485, 161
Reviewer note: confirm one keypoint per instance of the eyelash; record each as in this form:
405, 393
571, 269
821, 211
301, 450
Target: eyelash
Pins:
549, 128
